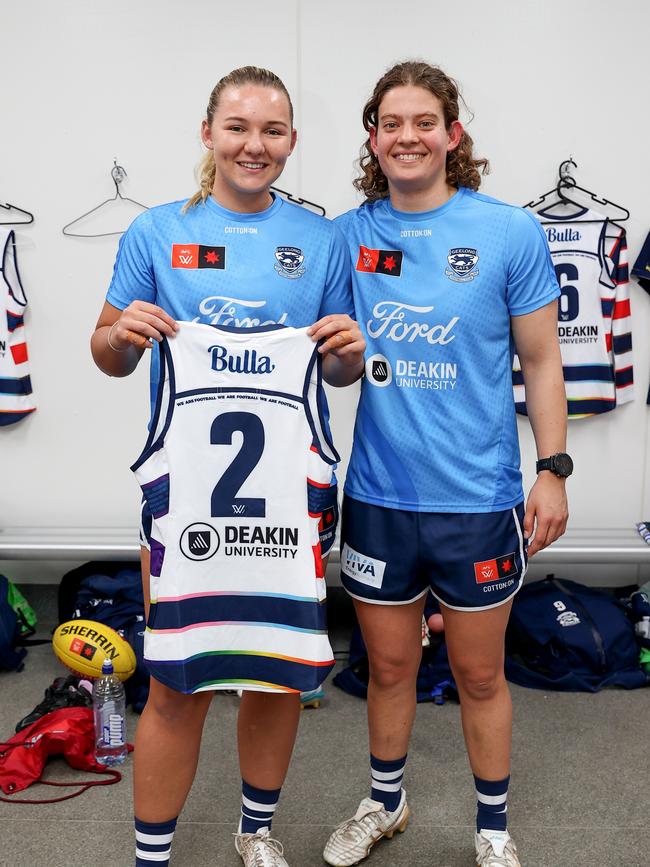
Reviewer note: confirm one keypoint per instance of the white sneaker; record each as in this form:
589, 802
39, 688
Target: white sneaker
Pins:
259, 850
495, 849
352, 841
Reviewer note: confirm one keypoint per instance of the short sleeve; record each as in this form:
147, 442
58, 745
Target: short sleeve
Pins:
337, 297
530, 277
133, 276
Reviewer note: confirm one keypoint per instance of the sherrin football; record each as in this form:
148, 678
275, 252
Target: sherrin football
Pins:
83, 645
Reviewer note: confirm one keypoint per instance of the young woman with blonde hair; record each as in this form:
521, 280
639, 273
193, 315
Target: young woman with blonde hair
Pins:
233, 256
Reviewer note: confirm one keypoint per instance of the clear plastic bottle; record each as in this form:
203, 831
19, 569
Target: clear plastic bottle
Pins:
110, 722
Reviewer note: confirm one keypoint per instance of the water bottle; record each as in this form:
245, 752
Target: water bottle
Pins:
108, 707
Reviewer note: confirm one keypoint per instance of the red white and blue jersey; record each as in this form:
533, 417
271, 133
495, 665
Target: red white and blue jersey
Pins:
235, 472
594, 321
15, 382
283, 265
434, 293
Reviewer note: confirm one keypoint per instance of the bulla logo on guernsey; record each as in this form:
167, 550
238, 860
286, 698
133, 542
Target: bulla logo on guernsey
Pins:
566, 234
247, 361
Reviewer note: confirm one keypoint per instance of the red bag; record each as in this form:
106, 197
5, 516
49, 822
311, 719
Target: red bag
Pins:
68, 731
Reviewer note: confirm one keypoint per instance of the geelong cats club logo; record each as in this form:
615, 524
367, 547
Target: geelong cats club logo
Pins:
289, 262
462, 264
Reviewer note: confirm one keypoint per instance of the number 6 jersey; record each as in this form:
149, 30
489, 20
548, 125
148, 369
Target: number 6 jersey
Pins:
234, 471
589, 255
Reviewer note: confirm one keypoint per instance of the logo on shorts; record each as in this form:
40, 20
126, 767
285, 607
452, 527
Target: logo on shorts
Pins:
462, 261
379, 371
199, 542
289, 262
494, 570
365, 570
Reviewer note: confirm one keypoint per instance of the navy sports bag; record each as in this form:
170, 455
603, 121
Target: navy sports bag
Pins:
565, 636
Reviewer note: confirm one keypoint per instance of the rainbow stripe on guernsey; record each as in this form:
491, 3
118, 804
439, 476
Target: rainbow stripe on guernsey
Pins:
236, 473
15, 382
204, 624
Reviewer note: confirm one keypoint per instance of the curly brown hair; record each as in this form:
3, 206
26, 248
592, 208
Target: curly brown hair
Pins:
463, 170
244, 75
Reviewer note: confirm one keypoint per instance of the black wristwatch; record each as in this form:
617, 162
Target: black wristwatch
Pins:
560, 464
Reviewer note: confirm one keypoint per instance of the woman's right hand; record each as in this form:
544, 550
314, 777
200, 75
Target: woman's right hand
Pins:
141, 324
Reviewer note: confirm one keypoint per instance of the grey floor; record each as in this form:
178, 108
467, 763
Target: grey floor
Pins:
580, 792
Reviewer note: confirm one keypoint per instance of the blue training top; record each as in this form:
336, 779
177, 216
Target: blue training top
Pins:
434, 292
283, 265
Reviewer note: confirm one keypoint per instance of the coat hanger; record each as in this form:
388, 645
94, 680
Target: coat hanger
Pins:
10, 222
118, 173
298, 201
567, 182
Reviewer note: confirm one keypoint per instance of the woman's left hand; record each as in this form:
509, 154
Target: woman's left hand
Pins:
342, 337
547, 512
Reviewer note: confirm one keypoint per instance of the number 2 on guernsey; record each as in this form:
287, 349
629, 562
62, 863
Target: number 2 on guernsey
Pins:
225, 503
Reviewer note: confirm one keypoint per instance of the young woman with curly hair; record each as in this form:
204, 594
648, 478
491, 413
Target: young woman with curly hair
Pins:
446, 282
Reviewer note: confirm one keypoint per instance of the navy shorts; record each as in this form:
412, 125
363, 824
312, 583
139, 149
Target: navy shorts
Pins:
469, 561
326, 528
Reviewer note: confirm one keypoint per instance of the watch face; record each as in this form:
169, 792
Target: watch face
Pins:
562, 465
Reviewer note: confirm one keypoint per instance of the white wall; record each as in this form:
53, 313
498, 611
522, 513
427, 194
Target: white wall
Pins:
131, 79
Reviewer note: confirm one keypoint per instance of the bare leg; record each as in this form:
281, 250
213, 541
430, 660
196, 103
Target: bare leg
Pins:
267, 726
475, 642
266, 732
393, 636
167, 743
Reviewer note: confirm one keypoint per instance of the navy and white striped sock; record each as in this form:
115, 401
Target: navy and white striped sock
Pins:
492, 805
153, 842
257, 807
387, 779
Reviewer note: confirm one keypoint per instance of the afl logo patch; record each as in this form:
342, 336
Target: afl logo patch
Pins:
387, 262
191, 256
379, 371
199, 541
462, 264
289, 262
493, 570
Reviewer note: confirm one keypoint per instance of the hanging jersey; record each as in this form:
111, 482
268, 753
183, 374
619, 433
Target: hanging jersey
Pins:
15, 382
282, 265
594, 322
641, 270
234, 473
434, 293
